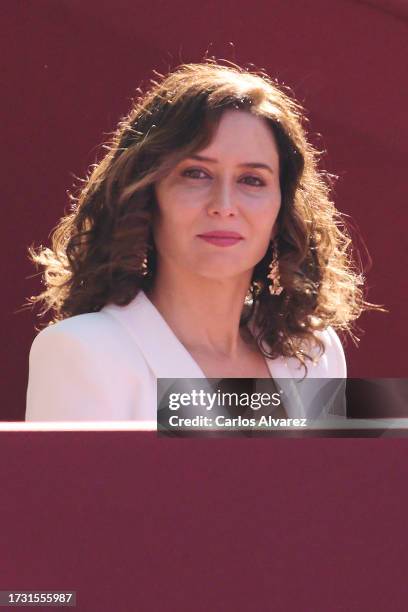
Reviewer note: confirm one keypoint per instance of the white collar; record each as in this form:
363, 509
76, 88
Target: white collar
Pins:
167, 356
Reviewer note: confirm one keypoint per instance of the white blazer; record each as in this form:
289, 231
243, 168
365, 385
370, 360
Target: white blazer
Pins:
104, 366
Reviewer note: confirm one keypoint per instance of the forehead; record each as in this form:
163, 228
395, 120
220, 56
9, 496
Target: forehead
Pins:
240, 132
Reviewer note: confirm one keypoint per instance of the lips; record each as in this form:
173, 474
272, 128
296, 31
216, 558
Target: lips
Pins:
221, 238
221, 234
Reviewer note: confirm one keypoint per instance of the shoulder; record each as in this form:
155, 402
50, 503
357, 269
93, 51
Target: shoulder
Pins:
333, 362
92, 339
329, 364
84, 368
86, 327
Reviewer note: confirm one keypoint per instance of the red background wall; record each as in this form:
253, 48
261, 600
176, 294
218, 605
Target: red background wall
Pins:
71, 68
138, 523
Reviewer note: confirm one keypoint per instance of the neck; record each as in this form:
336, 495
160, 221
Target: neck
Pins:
204, 313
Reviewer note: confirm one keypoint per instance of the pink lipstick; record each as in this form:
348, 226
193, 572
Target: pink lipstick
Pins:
221, 237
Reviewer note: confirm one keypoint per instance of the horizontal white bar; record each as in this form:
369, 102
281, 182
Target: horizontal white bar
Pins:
152, 426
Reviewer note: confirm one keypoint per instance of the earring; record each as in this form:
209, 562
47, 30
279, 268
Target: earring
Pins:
275, 288
143, 270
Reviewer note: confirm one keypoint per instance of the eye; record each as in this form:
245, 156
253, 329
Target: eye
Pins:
192, 173
256, 178
189, 172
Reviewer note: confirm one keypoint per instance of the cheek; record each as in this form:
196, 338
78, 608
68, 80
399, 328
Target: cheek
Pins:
179, 211
174, 223
265, 215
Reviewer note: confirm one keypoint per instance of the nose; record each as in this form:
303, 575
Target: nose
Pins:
222, 200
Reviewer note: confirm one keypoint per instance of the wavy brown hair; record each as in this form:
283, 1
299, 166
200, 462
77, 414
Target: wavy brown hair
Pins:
98, 249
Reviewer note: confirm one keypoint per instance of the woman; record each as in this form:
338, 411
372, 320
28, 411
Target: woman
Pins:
204, 244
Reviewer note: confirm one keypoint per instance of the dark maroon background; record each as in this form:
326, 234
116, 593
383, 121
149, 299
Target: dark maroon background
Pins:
135, 524
242, 525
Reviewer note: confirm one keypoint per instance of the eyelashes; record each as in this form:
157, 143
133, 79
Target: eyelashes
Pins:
187, 173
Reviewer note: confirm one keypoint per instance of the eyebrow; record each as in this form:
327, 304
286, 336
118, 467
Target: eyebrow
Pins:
246, 164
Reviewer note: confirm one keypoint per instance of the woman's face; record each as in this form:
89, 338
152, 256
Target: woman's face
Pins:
230, 186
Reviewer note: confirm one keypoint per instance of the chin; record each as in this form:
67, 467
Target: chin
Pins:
219, 274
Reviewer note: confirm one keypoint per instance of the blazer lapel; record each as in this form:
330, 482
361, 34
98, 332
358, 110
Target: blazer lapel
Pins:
168, 358
284, 374
165, 354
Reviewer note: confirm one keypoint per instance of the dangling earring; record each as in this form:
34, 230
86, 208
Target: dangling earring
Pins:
275, 288
144, 270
